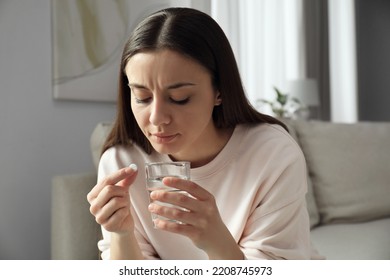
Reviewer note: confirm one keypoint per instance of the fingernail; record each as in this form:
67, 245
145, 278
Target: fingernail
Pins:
133, 166
152, 194
151, 207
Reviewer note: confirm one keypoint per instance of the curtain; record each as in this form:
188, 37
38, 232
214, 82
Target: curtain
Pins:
276, 41
317, 52
343, 65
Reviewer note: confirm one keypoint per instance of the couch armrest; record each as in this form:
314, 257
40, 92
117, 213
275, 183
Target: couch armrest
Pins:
74, 232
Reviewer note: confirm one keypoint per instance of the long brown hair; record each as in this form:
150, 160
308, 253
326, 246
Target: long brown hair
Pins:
194, 34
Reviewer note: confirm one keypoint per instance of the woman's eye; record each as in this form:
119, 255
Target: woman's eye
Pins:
180, 102
147, 100
141, 101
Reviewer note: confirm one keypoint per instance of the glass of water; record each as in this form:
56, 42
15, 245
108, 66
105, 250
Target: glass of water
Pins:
155, 173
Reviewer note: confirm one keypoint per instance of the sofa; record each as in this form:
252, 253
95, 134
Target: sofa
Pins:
348, 199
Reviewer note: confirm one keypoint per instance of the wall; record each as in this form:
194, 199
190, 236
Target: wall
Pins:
39, 137
373, 45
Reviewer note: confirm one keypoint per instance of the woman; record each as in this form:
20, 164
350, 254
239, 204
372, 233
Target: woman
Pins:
181, 99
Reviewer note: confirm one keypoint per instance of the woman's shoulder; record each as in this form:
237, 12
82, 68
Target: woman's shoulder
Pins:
265, 132
268, 139
117, 152
119, 156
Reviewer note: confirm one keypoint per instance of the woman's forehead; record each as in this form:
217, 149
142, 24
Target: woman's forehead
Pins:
163, 63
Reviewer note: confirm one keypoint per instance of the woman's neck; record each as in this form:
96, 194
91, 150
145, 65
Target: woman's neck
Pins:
202, 157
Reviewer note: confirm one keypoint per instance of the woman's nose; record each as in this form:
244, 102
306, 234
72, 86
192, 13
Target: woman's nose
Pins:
160, 113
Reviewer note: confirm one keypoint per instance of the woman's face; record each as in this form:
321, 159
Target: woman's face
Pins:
172, 99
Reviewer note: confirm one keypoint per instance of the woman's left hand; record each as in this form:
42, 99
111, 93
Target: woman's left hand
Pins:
201, 221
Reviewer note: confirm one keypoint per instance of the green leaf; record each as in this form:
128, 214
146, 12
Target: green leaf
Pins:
281, 98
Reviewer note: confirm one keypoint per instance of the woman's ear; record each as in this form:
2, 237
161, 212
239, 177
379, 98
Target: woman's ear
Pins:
218, 99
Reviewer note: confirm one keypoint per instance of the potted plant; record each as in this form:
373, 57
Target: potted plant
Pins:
283, 106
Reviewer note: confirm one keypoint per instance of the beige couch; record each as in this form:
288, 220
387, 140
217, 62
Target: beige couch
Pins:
348, 199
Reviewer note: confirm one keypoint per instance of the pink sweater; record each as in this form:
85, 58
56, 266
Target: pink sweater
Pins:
259, 183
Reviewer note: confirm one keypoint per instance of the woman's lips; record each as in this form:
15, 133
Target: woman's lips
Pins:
163, 139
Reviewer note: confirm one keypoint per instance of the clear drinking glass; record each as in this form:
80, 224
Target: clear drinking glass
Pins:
156, 171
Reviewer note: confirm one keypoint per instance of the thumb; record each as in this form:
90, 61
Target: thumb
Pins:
132, 172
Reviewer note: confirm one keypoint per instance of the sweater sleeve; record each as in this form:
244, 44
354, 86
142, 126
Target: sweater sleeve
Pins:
278, 226
147, 249
114, 159
278, 235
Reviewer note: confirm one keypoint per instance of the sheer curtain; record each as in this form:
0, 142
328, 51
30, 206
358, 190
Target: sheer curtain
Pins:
280, 40
343, 65
268, 39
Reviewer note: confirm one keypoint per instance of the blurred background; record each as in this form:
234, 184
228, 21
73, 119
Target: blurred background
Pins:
43, 134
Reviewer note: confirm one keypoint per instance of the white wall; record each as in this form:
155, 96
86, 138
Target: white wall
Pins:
39, 137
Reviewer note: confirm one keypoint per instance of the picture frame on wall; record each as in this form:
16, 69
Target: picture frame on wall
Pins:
88, 37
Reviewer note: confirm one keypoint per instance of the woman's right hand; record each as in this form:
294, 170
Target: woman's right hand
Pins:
110, 201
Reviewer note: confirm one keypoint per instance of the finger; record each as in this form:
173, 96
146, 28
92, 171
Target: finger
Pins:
108, 193
174, 227
122, 176
110, 208
115, 221
170, 212
117, 178
198, 215
188, 186
182, 200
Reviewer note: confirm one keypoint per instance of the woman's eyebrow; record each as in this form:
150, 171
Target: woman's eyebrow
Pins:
173, 86
179, 85
135, 85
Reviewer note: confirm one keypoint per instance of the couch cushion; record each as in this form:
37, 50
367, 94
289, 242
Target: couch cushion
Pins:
360, 241
74, 232
349, 168
310, 200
